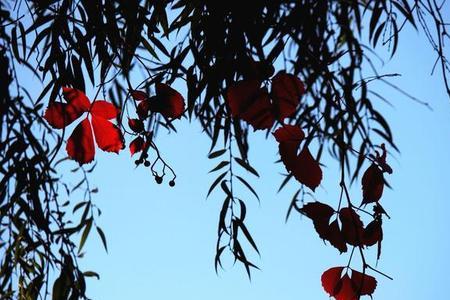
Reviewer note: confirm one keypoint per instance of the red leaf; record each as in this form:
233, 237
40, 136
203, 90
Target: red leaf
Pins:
80, 145
352, 227
289, 133
104, 109
137, 145
59, 114
320, 214
363, 284
303, 166
107, 135
250, 103
259, 114
241, 95
307, 170
317, 211
167, 101
286, 92
76, 98
138, 95
143, 109
136, 125
372, 184
346, 288
335, 237
330, 279
373, 233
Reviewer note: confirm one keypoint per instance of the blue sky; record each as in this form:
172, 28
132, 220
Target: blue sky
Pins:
162, 240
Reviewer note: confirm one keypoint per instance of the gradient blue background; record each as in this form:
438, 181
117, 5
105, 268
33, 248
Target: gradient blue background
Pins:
162, 240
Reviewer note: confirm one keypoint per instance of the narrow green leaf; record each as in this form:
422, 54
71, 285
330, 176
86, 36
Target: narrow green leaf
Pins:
215, 183
285, 181
225, 188
14, 45
248, 186
91, 274
149, 48
102, 237
248, 235
216, 153
23, 37
246, 166
85, 234
217, 261
221, 165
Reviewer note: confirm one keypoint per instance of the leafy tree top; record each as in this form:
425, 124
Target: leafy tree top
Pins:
227, 54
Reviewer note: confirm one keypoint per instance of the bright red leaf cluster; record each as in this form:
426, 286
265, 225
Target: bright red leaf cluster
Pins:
302, 165
80, 145
347, 287
167, 101
254, 104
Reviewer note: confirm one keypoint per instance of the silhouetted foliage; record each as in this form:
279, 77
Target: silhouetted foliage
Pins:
226, 54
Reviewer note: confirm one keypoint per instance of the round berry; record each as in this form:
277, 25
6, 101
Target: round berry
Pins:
172, 183
147, 163
137, 161
158, 179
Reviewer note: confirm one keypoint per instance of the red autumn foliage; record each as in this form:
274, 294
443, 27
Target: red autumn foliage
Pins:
107, 135
59, 114
372, 184
345, 287
167, 101
137, 145
139, 95
321, 214
352, 226
303, 165
330, 279
373, 180
252, 103
80, 145
373, 233
286, 92
350, 232
335, 237
363, 284
136, 125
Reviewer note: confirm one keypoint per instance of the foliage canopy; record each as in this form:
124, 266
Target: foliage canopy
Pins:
228, 55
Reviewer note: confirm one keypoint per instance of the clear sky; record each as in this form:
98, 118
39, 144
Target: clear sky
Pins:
162, 240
